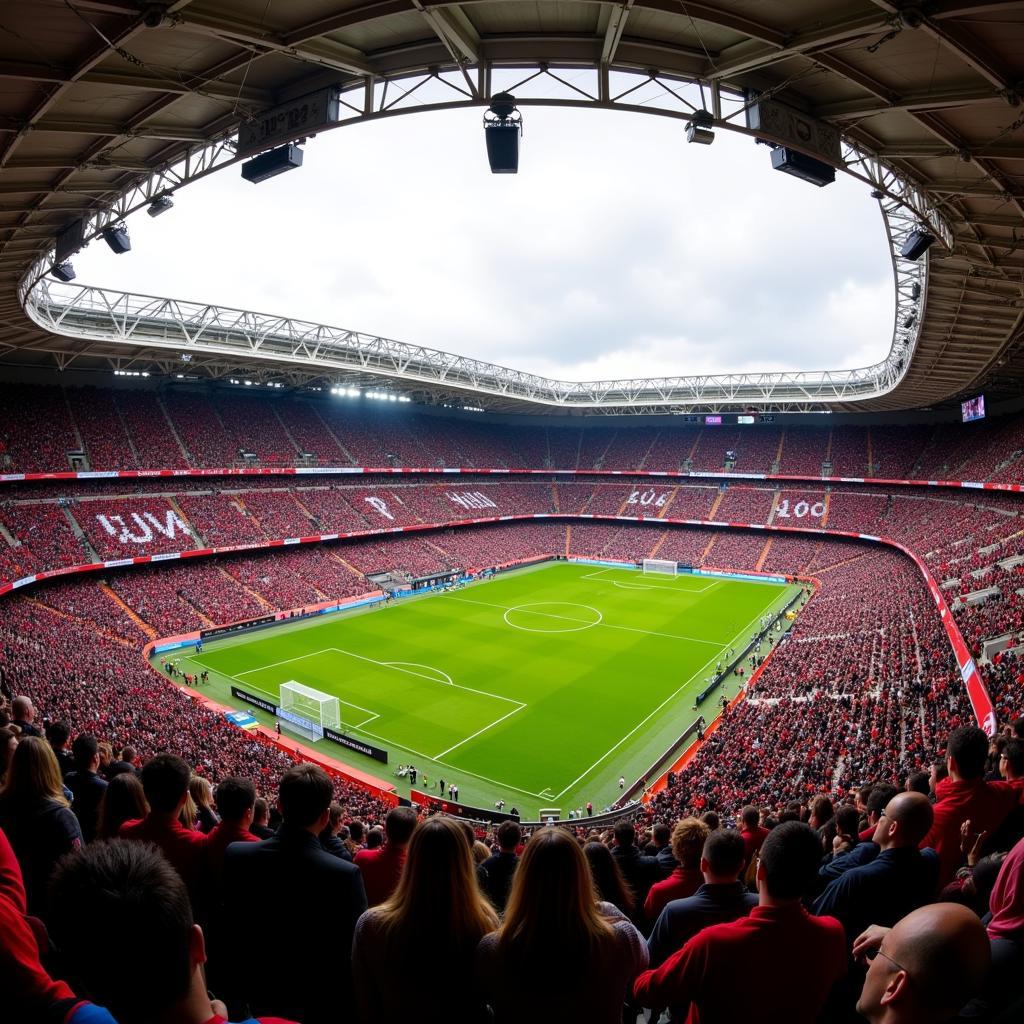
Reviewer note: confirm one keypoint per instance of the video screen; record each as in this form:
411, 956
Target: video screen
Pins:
973, 409
712, 421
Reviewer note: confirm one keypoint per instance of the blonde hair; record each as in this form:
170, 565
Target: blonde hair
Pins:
201, 791
437, 902
34, 773
551, 919
688, 839
188, 813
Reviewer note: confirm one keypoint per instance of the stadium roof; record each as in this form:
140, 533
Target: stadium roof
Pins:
107, 103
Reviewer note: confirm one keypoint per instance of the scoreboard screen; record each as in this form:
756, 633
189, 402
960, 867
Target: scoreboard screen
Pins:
727, 419
973, 409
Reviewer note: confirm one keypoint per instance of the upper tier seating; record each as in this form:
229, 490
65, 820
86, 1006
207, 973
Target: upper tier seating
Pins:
41, 428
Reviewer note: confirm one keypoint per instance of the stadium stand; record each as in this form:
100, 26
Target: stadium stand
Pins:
42, 427
863, 690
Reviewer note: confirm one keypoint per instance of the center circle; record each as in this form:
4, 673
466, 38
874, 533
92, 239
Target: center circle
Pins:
553, 617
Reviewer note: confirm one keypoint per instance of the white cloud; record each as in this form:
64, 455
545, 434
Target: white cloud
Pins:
618, 250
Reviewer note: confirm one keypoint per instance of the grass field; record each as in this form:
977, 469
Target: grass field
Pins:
540, 687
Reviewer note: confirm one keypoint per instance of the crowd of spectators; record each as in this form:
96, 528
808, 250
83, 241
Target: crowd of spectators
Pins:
863, 691
892, 899
41, 427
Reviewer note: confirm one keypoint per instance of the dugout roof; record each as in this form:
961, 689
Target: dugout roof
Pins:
99, 94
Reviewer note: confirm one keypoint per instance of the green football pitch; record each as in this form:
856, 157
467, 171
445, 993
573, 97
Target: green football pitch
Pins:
540, 687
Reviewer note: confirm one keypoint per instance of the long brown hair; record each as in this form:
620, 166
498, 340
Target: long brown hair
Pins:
123, 800
34, 773
437, 905
608, 881
551, 919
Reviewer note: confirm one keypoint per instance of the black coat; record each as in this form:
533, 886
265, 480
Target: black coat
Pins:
297, 964
500, 868
88, 789
640, 873
40, 832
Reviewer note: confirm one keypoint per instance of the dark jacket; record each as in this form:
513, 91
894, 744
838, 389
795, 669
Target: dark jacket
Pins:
666, 861
316, 900
881, 891
40, 833
87, 788
334, 846
640, 873
500, 868
682, 919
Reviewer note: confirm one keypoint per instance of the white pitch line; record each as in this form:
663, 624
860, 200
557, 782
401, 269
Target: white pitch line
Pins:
625, 585
445, 753
287, 661
609, 625
396, 743
451, 767
433, 679
670, 697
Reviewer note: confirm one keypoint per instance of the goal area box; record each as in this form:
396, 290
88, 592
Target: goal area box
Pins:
660, 567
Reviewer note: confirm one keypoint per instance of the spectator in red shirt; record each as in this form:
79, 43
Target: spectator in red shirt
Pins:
753, 832
165, 781
933, 961
764, 947
688, 838
965, 795
29, 991
236, 800
382, 867
124, 925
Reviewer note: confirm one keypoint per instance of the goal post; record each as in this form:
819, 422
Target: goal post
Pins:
310, 710
660, 567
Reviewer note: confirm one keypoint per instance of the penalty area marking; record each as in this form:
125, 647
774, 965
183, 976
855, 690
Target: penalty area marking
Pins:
365, 721
599, 573
388, 739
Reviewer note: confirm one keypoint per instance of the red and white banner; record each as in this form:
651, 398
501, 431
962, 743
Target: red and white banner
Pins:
145, 474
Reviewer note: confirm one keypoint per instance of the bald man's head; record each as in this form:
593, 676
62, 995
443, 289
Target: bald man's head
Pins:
906, 820
929, 965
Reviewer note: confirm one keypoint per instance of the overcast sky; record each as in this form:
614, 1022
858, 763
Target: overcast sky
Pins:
617, 251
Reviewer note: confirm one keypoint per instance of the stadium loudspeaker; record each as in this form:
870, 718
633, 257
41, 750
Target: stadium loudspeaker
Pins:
64, 271
917, 244
503, 147
116, 236
268, 165
804, 167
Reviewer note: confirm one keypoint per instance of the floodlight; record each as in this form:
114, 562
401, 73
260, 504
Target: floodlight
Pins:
917, 244
268, 165
159, 205
116, 236
503, 124
64, 271
699, 129
792, 161
915, 290
910, 321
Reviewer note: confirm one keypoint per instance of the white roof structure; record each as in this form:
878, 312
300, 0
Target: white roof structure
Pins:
108, 106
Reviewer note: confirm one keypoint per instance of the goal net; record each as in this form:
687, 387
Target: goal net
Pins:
660, 567
310, 710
